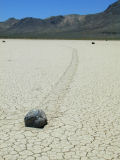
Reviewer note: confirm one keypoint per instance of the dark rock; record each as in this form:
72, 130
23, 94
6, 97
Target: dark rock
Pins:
3, 41
93, 42
35, 118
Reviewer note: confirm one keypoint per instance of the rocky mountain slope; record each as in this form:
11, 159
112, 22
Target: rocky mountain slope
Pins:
102, 25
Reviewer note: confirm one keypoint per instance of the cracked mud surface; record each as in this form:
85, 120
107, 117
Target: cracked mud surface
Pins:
76, 84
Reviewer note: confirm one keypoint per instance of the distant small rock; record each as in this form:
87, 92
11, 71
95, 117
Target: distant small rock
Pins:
35, 118
9, 60
93, 42
3, 41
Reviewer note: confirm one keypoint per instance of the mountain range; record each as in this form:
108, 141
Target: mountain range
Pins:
104, 25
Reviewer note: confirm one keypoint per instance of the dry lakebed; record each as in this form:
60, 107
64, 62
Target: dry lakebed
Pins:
76, 84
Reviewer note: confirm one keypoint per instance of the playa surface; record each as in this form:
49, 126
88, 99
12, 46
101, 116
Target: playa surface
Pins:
76, 83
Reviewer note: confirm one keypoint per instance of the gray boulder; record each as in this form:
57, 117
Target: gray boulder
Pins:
35, 118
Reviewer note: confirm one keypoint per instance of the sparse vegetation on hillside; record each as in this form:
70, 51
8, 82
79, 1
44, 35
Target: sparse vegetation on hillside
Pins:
104, 25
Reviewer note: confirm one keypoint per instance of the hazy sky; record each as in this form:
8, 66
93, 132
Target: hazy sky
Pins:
46, 8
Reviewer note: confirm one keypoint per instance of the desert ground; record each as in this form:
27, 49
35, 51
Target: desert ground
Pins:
76, 83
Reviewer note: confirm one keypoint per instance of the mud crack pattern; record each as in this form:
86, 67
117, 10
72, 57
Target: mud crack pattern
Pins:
53, 100
80, 93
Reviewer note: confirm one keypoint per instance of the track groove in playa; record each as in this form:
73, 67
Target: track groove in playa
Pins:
83, 107
51, 103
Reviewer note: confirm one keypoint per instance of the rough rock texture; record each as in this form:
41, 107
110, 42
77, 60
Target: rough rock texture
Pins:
35, 118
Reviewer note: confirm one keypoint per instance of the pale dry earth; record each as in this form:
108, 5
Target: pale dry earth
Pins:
76, 83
